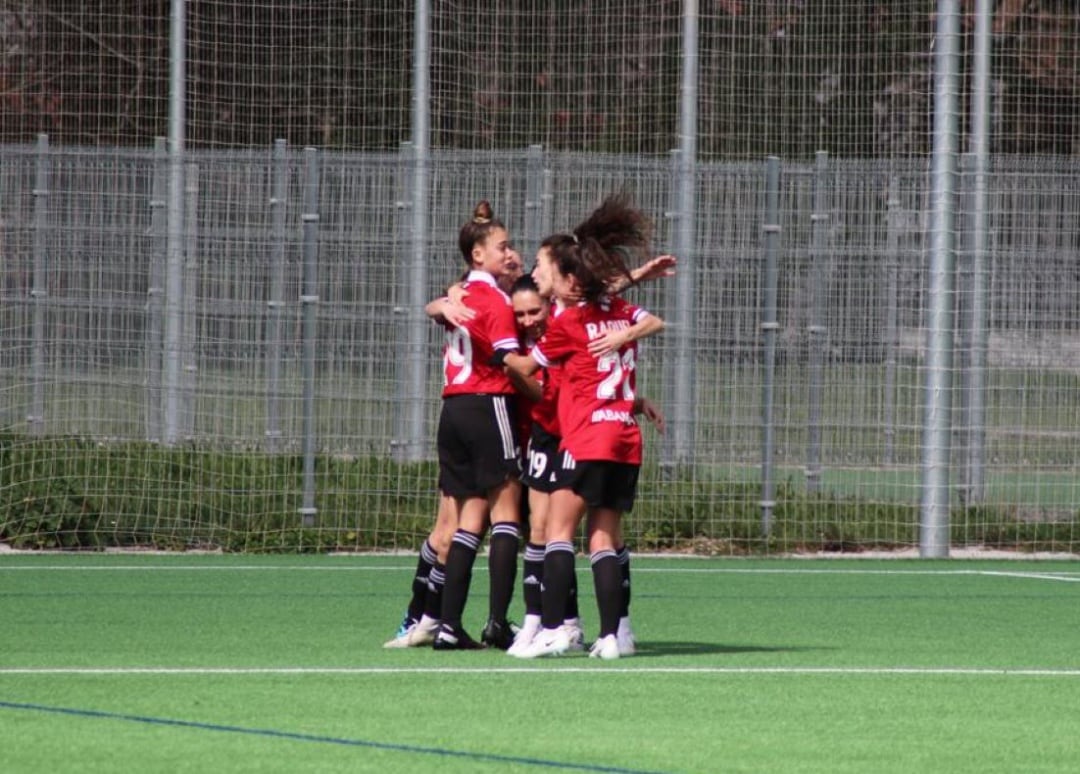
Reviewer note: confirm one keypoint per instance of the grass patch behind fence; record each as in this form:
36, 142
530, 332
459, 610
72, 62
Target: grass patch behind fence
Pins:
82, 494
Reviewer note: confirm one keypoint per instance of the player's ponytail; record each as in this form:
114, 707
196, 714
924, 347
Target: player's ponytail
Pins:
614, 235
482, 223
482, 214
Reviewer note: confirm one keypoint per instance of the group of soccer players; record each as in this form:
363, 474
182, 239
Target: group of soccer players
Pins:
571, 393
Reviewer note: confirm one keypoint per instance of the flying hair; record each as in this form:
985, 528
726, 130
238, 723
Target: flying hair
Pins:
598, 250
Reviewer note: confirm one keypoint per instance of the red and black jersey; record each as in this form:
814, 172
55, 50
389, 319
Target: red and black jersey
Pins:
596, 396
467, 368
545, 412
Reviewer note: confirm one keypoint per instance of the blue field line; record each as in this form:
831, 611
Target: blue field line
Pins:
297, 737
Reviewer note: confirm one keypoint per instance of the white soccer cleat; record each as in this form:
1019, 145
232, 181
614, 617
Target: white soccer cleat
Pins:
530, 627
417, 635
575, 634
548, 642
606, 648
401, 641
424, 632
625, 638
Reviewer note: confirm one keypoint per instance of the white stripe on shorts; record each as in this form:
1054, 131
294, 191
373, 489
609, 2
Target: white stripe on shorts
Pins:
506, 428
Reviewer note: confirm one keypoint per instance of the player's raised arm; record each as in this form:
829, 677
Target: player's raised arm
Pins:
656, 268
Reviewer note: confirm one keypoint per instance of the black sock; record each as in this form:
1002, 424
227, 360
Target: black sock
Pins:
608, 582
558, 571
572, 610
459, 564
436, 582
427, 560
502, 568
533, 577
624, 568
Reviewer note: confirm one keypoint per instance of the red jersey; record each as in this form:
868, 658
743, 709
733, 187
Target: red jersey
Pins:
467, 369
596, 397
545, 412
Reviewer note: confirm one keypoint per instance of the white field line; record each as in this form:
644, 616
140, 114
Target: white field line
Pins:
1068, 577
592, 670
1060, 576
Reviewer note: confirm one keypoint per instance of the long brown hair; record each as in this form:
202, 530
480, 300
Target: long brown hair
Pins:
597, 250
483, 222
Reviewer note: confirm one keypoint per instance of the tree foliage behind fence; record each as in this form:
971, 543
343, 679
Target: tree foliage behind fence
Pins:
852, 77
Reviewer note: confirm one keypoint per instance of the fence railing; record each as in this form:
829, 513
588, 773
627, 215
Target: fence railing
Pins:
83, 328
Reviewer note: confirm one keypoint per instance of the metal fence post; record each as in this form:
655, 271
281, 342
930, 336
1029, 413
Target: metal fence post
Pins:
188, 330
979, 326
682, 428
892, 288
309, 300
940, 312
154, 292
417, 362
817, 329
174, 268
275, 305
769, 328
39, 293
534, 202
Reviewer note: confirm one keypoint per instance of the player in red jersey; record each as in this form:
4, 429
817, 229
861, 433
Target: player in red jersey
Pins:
423, 615
547, 468
594, 342
478, 446
544, 471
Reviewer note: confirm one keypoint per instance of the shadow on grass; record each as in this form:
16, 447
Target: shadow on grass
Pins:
668, 648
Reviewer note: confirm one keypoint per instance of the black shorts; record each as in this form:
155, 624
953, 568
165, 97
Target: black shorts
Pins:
478, 444
546, 468
603, 484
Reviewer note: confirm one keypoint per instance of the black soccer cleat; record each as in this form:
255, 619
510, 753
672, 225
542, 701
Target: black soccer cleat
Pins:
498, 634
455, 638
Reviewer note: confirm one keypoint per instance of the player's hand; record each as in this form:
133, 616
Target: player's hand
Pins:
653, 413
655, 268
457, 293
612, 341
456, 313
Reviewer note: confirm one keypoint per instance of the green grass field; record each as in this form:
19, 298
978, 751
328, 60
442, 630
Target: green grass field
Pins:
176, 663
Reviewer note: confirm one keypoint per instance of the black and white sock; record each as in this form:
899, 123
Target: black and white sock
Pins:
532, 578
558, 573
607, 579
459, 564
427, 560
436, 582
572, 610
502, 567
623, 555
